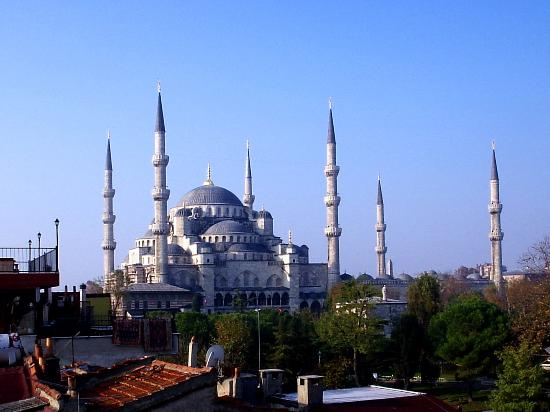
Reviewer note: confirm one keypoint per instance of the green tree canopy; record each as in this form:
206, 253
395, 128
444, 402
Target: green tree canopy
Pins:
423, 299
519, 381
196, 324
350, 325
467, 333
406, 346
234, 333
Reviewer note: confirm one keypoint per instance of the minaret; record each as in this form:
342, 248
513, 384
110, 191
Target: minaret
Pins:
248, 197
160, 196
332, 200
380, 234
109, 244
496, 234
389, 268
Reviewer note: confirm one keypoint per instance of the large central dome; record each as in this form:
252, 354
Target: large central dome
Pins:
209, 195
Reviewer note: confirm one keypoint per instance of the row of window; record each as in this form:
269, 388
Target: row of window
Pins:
144, 304
246, 281
230, 239
252, 299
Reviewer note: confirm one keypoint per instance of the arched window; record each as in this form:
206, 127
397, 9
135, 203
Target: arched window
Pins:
219, 211
315, 307
228, 300
227, 211
256, 282
304, 305
246, 279
284, 299
244, 239
276, 299
231, 239
219, 300
238, 239
223, 239
261, 299
252, 299
215, 239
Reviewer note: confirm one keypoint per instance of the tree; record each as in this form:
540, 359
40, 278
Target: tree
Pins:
119, 280
406, 346
199, 325
424, 301
467, 333
537, 257
519, 381
452, 288
529, 304
234, 334
95, 285
196, 302
350, 324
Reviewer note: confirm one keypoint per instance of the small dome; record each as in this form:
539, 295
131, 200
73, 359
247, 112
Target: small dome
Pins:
248, 247
264, 214
175, 250
405, 276
225, 227
344, 277
209, 195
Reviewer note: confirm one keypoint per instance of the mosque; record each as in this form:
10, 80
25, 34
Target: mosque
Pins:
213, 244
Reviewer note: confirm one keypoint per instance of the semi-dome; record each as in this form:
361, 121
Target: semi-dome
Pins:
209, 195
175, 250
226, 226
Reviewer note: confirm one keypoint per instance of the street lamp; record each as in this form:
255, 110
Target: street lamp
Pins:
259, 342
56, 221
39, 236
30, 244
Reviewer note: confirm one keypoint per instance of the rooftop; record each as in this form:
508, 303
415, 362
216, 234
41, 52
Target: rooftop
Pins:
153, 287
136, 388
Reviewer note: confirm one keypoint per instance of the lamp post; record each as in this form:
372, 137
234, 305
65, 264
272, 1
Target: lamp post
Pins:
259, 342
30, 244
56, 221
39, 236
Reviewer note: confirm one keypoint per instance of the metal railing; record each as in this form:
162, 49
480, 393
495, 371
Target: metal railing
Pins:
28, 260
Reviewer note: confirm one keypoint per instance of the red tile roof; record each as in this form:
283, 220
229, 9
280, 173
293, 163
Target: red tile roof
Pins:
139, 383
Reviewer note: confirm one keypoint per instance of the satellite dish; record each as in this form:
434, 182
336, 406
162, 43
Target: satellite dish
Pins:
214, 356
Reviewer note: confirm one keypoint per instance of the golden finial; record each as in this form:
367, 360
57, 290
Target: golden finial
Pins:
208, 181
493, 144
108, 134
290, 237
158, 86
330, 104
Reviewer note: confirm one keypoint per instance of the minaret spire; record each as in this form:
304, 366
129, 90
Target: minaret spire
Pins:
108, 245
248, 197
160, 195
208, 181
496, 235
380, 234
332, 200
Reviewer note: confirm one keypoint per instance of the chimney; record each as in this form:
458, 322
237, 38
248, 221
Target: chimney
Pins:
193, 349
82, 296
272, 381
310, 390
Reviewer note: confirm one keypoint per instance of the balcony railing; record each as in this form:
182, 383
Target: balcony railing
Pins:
28, 260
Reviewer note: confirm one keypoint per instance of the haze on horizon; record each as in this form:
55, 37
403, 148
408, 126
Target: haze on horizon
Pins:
420, 90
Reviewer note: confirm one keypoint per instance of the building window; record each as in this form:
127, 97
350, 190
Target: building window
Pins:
167, 304
136, 304
231, 238
145, 304
159, 305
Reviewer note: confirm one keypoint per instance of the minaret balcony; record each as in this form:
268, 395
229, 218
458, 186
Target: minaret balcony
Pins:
332, 200
108, 218
380, 249
159, 228
108, 192
160, 160
332, 170
108, 245
248, 199
380, 227
160, 193
495, 207
332, 231
495, 235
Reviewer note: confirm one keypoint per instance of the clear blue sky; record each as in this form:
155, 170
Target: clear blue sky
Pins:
420, 90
